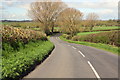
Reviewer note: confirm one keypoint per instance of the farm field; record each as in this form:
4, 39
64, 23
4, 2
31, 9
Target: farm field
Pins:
36, 27
24, 25
27, 25
106, 28
86, 33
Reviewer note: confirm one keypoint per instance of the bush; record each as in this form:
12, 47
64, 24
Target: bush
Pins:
13, 35
103, 37
64, 35
67, 36
75, 38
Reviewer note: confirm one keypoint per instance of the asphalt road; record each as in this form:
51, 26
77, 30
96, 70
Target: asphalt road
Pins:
69, 60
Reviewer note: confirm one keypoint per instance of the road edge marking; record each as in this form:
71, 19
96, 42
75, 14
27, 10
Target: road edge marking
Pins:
68, 45
74, 47
56, 37
95, 72
81, 53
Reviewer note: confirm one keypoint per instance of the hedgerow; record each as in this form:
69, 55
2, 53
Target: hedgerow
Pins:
12, 34
103, 37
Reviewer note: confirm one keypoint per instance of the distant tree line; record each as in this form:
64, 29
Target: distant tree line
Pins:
16, 20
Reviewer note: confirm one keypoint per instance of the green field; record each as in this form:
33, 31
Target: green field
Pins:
22, 24
106, 28
101, 28
96, 30
86, 33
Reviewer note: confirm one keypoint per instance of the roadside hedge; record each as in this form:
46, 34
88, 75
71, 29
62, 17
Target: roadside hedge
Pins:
12, 35
103, 37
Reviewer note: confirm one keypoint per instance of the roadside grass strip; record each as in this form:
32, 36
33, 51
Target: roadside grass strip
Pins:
22, 61
106, 47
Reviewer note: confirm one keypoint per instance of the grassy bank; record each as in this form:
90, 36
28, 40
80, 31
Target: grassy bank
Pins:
22, 50
20, 62
109, 37
106, 28
86, 33
106, 47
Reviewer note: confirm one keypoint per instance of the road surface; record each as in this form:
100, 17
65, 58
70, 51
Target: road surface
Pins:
69, 60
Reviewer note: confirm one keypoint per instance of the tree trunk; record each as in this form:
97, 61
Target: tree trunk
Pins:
52, 29
91, 28
47, 31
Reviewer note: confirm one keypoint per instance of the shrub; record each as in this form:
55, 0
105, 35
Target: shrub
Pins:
64, 35
103, 37
67, 36
75, 38
13, 35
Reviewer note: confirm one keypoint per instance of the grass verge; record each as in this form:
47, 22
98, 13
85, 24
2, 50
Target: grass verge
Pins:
86, 33
106, 28
20, 62
106, 47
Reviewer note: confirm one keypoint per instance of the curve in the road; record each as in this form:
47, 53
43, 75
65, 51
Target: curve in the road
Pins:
69, 60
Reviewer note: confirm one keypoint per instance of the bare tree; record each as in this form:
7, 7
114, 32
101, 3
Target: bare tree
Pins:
69, 20
92, 19
46, 12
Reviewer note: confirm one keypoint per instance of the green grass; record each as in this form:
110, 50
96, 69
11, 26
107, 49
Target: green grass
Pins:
21, 24
21, 61
106, 28
56, 27
106, 47
37, 29
86, 33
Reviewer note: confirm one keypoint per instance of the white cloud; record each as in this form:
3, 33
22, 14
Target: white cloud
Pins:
108, 0
13, 15
90, 0
25, 6
10, 16
105, 11
9, 2
93, 4
1, 7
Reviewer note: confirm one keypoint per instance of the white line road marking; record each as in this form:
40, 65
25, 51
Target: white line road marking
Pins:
96, 74
81, 53
58, 38
73, 47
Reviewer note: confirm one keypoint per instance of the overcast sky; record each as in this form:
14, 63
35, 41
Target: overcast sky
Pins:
17, 9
